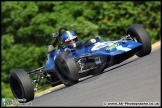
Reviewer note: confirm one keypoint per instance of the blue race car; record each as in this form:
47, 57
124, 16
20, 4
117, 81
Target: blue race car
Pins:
67, 65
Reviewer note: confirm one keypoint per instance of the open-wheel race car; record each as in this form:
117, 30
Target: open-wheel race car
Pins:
67, 66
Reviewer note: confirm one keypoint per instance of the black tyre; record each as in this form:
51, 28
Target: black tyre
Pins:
21, 85
67, 70
139, 34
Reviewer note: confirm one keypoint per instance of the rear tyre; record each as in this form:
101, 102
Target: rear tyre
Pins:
139, 34
67, 70
21, 85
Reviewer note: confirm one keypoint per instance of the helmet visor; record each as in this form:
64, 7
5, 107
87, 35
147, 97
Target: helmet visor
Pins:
70, 41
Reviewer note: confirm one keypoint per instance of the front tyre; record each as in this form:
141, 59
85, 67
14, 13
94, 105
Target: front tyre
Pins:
67, 70
139, 34
21, 85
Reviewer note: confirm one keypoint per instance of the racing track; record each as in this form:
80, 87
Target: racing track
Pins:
136, 80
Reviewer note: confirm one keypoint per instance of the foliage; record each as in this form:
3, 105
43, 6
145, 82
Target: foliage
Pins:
27, 27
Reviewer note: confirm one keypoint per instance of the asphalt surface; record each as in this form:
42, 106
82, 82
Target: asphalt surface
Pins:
131, 83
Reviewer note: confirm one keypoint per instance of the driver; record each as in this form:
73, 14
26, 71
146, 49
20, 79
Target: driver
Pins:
70, 39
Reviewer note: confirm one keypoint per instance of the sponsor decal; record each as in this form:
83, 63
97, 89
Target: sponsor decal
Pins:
97, 60
112, 46
99, 45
